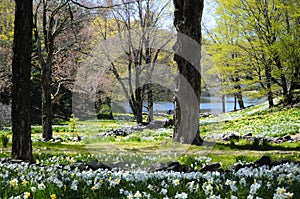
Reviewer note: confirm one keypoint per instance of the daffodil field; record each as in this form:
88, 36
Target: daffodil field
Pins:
55, 181
53, 176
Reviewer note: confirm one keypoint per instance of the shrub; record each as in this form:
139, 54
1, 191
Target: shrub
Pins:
4, 139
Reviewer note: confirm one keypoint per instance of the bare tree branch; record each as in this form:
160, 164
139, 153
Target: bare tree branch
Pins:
101, 6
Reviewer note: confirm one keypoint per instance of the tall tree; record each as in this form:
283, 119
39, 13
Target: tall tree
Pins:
21, 67
187, 21
53, 21
7, 8
137, 26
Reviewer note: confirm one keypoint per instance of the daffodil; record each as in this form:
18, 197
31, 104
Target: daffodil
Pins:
176, 182
14, 182
26, 194
24, 182
53, 196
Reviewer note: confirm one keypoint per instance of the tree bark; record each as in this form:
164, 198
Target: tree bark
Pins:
46, 103
223, 103
239, 94
187, 21
150, 104
268, 84
21, 69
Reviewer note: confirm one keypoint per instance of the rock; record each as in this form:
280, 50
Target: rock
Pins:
118, 132
231, 136
171, 166
158, 167
119, 165
278, 140
283, 161
169, 123
207, 114
15, 161
176, 166
94, 165
155, 125
77, 138
211, 167
264, 160
80, 165
287, 137
56, 141
248, 135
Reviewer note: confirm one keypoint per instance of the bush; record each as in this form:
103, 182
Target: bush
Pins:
4, 139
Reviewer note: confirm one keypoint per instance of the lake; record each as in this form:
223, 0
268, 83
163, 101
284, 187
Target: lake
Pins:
208, 104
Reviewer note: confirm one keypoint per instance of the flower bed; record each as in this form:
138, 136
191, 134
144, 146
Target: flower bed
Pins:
56, 181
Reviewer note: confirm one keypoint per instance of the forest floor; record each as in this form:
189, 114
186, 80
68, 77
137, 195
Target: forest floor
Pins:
242, 135
234, 153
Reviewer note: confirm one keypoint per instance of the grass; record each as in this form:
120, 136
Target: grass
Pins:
158, 146
266, 122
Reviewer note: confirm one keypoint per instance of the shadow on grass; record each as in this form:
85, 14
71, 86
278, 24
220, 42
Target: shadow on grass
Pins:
251, 146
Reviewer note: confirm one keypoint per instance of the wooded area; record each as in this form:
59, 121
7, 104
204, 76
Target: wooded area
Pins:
118, 99
254, 48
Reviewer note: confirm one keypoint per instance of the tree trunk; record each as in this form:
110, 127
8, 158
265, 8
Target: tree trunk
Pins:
136, 105
187, 21
46, 103
138, 113
268, 83
21, 69
234, 108
282, 76
150, 104
223, 103
240, 99
239, 94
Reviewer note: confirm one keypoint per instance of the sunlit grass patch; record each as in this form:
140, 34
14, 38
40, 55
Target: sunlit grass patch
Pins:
271, 122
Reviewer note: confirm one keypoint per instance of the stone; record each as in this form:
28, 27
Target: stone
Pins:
119, 165
264, 160
95, 165
169, 123
171, 166
247, 135
157, 167
211, 167
278, 140
80, 165
287, 137
231, 136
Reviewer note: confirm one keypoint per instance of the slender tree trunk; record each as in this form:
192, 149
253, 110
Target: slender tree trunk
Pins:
223, 103
46, 103
239, 94
187, 21
240, 100
268, 83
150, 104
282, 76
235, 102
21, 69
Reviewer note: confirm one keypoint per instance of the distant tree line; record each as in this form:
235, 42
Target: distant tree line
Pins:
255, 49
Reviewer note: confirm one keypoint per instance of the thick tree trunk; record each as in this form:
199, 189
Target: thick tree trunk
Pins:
46, 103
187, 21
21, 69
136, 105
